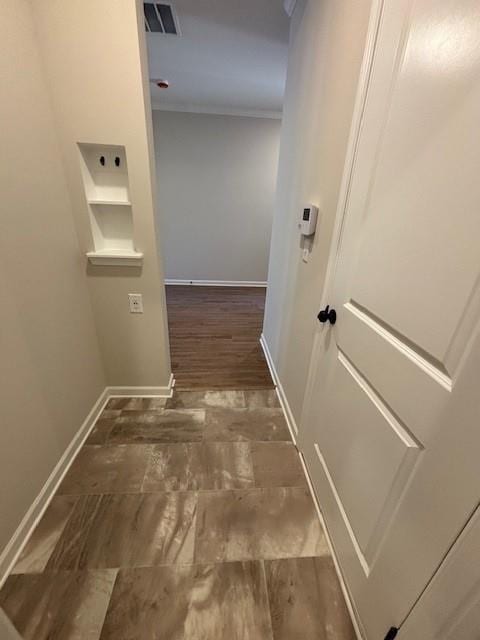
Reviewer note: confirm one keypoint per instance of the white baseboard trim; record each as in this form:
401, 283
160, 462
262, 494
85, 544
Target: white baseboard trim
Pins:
30, 520
14, 547
216, 283
292, 425
143, 392
343, 584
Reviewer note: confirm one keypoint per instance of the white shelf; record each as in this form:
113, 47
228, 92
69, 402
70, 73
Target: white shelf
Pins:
120, 203
105, 179
117, 258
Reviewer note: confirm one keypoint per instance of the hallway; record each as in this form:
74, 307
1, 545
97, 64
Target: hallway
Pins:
214, 337
181, 519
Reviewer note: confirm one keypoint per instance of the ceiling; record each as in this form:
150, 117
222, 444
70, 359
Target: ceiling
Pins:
231, 57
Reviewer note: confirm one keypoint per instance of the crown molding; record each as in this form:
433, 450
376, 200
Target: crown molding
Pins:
221, 111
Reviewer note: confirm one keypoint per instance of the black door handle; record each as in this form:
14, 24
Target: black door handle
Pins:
327, 315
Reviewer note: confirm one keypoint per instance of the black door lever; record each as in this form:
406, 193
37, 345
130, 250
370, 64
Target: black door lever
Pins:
327, 315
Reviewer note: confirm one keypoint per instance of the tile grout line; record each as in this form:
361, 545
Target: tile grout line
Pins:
177, 491
268, 598
147, 466
195, 536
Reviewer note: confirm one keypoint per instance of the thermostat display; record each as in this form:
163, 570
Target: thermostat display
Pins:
309, 220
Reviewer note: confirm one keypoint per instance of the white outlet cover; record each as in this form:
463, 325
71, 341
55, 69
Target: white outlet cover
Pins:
135, 302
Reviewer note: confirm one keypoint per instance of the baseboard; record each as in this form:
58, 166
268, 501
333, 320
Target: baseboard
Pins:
143, 392
14, 547
216, 283
292, 425
343, 584
9, 555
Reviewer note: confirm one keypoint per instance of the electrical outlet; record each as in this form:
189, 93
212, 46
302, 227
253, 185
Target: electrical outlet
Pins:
135, 301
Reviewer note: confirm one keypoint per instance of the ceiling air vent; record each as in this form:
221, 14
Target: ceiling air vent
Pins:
160, 18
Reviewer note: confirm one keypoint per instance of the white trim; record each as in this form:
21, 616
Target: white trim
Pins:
343, 584
15, 546
217, 111
292, 425
216, 283
30, 520
115, 258
344, 193
143, 392
294, 432
334, 252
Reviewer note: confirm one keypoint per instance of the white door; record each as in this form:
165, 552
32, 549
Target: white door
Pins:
450, 607
391, 421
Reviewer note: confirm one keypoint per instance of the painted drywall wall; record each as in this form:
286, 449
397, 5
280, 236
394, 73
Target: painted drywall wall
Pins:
327, 40
94, 55
216, 186
51, 369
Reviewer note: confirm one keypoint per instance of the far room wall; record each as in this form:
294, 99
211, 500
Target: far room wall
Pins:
216, 183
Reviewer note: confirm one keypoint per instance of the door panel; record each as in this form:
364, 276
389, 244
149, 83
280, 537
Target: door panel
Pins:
370, 454
369, 344
421, 208
388, 427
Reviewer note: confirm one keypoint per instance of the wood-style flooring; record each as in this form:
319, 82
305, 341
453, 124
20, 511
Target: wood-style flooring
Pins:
181, 519
214, 337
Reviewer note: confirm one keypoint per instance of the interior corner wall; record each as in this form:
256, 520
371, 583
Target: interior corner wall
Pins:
51, 368
94, 57
327, 40
216, 185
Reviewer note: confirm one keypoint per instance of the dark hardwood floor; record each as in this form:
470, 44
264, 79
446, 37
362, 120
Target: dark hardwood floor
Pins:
214, 337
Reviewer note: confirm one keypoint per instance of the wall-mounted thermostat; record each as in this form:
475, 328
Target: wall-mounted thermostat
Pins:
308, 221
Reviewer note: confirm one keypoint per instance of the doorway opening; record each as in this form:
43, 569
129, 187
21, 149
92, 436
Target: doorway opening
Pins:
217, 77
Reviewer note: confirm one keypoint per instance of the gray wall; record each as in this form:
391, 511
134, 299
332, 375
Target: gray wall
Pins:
327, 39
51, 368
216, 184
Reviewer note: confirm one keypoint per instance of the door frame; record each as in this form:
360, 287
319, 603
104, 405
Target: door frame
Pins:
374, 24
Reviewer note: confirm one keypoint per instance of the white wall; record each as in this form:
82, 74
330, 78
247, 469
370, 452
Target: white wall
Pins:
94, 55
327, 39
51, 369
216, 184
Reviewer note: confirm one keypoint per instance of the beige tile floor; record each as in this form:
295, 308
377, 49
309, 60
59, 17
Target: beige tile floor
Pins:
186, 519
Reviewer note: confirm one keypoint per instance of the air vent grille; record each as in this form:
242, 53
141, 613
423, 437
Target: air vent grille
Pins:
160, 18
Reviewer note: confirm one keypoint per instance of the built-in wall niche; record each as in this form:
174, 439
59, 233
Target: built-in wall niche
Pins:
105, 178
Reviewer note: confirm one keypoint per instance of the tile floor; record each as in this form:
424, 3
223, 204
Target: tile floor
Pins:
184, 519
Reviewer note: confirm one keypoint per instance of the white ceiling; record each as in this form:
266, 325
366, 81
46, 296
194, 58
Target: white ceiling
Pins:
230, 58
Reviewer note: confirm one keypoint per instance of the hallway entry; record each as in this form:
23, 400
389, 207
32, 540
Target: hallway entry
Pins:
214, 337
